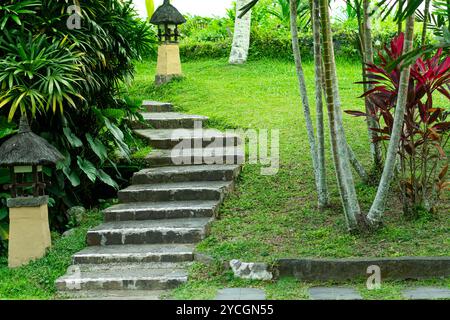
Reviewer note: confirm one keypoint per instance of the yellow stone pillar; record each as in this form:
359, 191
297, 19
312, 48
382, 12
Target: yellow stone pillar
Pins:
169, 63
29, 231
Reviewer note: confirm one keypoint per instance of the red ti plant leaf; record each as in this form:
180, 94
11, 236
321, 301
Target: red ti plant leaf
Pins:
442, 127
356, 113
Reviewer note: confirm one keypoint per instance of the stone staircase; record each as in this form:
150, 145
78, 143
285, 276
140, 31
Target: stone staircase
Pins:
147, 240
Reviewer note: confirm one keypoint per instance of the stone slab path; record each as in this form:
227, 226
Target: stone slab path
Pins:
334, 293
426, 293
241, 294
147, 241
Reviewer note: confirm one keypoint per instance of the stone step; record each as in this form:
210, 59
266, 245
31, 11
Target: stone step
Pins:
142, 276
169, 120
177, 191
135, 253
186, 173
188, 138
191, 230
161, 210
200, 156
131, 295
156, 106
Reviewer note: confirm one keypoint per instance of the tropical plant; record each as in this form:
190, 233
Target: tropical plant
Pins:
38, 73
435, 16
69, 80
425, 131
281, 10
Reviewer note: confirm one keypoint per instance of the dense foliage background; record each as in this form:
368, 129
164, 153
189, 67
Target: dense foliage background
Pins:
270, 35
65, 72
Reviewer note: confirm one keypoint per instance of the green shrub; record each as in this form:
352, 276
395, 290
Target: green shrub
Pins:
68, 81
276, 44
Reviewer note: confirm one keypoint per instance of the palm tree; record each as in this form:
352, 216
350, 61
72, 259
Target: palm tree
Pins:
241, 36
367, 54
318, 72
378, 207
339, 144
320, 181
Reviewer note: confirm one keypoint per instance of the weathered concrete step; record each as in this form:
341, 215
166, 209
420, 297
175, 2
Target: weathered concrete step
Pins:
199, 156
140, 276
177, 191
135, 253
132, 295
186, 173
188, 138
156, 106
161, 210
191, 230
169, 120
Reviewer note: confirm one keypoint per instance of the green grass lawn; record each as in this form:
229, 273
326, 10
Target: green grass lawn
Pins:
272, 217
37, 279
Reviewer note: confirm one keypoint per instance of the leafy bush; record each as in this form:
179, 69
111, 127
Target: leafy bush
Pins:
276, 44
423, 163
68, 81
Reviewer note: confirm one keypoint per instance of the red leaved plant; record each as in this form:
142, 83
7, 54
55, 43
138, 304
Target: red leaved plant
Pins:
423, 163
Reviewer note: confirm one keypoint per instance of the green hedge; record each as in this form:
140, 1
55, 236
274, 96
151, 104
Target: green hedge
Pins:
273, 44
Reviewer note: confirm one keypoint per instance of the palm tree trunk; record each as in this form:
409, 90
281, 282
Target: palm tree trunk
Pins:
378, 207
322, 183
375, 147
339, 144
400, 25
357, 166
426, 13
304, 96
241, 37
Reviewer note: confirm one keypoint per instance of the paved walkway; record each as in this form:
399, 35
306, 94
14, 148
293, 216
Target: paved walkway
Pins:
148, 240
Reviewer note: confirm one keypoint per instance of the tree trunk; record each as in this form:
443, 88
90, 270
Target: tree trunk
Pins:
426, 13
304, 96
400, 25
357, 166
338, 141
378, 207
375, 147
359, 169
318, 72
241, 37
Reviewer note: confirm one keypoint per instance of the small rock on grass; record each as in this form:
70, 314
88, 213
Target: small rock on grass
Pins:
252, 271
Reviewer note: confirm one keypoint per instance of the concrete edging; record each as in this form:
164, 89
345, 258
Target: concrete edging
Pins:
400, 268
315, 269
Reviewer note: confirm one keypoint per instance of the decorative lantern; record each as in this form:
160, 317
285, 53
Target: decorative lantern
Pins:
168, 18
25, 154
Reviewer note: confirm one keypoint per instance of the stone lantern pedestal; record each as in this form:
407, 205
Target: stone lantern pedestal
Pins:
169, 63
168, 18
29, 232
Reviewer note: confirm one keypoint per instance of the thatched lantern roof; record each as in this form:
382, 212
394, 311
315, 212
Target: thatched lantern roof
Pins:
167, 14
28, 149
